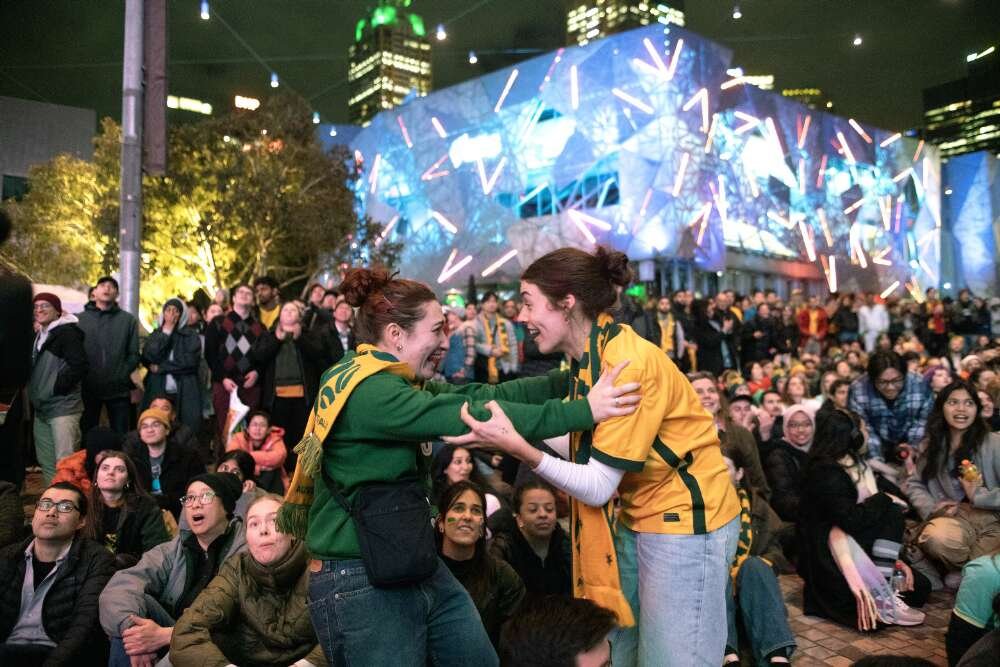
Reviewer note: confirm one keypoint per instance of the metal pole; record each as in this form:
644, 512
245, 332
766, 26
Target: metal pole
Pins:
130, 202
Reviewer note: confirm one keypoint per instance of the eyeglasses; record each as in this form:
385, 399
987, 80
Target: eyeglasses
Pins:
203, 498
62, 506
895, 382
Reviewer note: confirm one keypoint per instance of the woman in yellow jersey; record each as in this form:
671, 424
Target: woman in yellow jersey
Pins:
662, 564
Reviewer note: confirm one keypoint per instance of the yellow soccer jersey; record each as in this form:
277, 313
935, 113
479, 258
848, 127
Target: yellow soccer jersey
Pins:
675, 479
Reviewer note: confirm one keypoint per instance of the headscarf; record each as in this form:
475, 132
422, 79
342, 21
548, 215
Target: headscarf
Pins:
791, 410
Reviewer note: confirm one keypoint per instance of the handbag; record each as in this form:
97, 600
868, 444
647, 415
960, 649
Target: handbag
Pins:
395, 534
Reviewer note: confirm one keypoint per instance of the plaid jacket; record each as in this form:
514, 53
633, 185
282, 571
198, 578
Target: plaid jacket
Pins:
889, 425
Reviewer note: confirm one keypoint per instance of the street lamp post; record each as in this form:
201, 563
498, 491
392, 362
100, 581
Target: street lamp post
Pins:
130, 199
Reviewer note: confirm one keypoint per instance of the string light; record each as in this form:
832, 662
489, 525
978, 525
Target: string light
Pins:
441, 34
472, 58
737, 14
857, 40
204, 11
274, 80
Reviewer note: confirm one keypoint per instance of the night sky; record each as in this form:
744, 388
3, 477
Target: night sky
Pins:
69, 52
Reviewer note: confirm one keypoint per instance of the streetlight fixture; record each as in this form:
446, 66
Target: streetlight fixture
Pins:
205, 15
737, 14
274, 80
473, 59
857, 40
441, 34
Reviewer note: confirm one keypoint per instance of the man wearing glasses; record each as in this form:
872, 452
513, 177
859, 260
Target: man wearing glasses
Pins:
140, 604
894, 405
49, 587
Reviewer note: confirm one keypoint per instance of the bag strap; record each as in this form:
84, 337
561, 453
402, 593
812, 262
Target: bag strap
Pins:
334, 490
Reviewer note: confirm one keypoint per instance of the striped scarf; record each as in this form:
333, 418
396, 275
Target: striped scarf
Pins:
499, 332
746, 534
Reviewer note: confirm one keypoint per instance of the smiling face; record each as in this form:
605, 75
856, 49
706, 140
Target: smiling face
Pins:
460, 468
464, 520
204, 518
266, 544
112, 475
708, 394
545, 322
798, 429
425, 344
45, 313
152, 432
890, 383
537, 515
959, 410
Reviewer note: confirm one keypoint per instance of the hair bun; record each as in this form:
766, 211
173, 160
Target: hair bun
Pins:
359, 284
615, 266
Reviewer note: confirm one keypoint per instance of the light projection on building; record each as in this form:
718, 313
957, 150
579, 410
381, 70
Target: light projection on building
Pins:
642, 141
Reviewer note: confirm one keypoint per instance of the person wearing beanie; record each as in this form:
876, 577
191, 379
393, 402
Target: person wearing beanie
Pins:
112, 344
172, 354
163, 466
141, 604
58, 367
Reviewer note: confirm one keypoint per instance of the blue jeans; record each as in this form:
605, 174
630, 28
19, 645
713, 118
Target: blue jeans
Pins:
676, 585
430, 623
761, 605
155, 612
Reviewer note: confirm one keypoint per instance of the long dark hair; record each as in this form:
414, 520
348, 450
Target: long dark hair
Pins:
939, 436
132, 494
441, 462
838, 434
482, 563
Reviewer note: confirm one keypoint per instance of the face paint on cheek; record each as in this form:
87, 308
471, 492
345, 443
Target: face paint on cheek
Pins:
450, 519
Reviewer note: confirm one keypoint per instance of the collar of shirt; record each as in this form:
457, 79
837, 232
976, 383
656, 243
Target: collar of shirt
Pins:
29, 552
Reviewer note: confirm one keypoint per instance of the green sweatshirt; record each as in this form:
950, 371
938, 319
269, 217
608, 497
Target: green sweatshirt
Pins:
377, 437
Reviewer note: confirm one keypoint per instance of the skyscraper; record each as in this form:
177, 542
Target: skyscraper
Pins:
586, 21
814, 98
963, 116
389, 60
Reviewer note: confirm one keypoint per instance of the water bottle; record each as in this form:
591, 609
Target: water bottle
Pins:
898, 579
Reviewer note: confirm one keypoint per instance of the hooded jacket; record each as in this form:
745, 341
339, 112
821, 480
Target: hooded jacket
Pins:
177, 357
112, 344
59, 365
250, 615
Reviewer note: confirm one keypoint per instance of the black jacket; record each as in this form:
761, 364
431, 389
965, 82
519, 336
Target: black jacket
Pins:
180, 464
314, 358
69, 612
758, 349
62, 355
15, 332
783, 468
710, 341
185, 344
334, 344
138, 531
554, 575
111, 338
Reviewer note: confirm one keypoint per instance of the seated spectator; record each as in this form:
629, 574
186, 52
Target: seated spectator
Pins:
536, 546
239, 464
123, 516
786, 460
78, 469
11, 514
937, 378
180, 432
266, 444
843, 507
172, 354
755, 593
894, 406
961, 512
770, 424
796, 390
729, 432
254, 612
990, 414
49, 585
557, 631
162, 465
492, 584
454, 464
140, 605
973, 636
741, 412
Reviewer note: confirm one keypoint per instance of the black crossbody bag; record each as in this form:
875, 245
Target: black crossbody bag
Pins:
393, 522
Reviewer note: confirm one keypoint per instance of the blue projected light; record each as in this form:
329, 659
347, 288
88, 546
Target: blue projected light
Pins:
642, 141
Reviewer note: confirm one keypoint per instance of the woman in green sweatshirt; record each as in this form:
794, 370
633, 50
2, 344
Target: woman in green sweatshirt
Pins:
375, 427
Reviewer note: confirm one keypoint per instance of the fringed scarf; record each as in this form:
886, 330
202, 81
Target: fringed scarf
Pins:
595, 562
497, 333
336, 386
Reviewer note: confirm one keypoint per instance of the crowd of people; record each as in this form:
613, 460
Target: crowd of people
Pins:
565, 477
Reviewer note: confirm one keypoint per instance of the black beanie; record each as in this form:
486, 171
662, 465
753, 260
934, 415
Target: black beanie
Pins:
227, 487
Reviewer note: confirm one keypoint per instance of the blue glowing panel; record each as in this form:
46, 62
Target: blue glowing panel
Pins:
642, 141
972, 213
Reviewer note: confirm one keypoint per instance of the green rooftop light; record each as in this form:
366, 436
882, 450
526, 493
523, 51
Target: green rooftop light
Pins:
418, 25
359, 29
383, 16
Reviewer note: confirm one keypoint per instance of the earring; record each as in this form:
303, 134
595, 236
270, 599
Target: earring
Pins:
399, 348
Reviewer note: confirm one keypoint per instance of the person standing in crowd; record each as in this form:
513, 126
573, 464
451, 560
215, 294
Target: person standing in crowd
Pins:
534, 543
140, 605
894, 405
936, 332
960, 509
678, 524
316, 315
49, 586
494, 587
371, 434
342, 338
195, 317
111, 339
786, 460
964, 317
290, 358
511, 308
672, 340
813, 326
172, 354
15, 362
268, 300
254, 614
458, 366
123, 516
163, 466
758, 336
228, 341
58, 367
492, 341
713, 336
266, 444
847, 320
873, 321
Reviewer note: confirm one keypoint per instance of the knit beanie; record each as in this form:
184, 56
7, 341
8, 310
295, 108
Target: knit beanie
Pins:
227, 487
49, 298
158, 415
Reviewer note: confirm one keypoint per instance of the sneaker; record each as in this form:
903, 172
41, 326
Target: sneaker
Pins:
894, 611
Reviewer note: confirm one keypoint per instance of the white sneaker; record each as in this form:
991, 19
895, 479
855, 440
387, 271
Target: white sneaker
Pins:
896, 612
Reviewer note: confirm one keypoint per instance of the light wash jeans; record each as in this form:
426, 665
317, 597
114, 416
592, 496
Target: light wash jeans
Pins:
430, 623
759, 602
677, 587
55, 438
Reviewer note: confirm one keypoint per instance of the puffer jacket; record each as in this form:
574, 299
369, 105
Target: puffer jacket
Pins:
58, 367
69, 612
270, 456
250, 615
112, 344
177, 358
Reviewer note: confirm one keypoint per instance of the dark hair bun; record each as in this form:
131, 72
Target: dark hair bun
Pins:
615, 266
359, 284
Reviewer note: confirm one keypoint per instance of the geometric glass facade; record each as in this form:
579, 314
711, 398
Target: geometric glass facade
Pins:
643, 142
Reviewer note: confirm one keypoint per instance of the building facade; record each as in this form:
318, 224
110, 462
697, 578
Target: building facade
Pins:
390, 60
586, 21
963, 116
